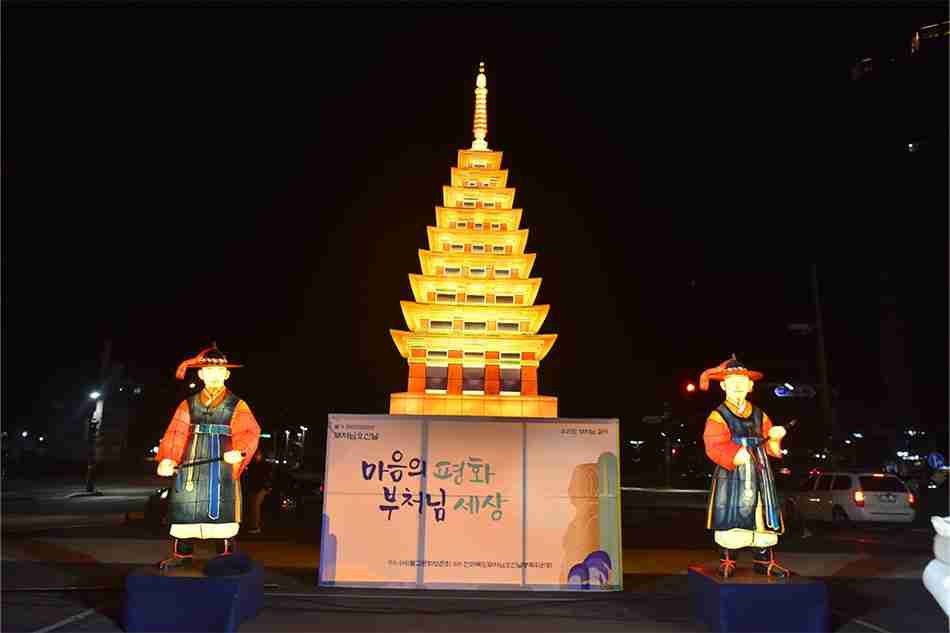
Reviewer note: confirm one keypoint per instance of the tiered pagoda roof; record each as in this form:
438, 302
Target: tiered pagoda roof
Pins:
474, 342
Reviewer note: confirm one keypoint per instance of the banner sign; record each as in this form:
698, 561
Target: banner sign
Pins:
471, 503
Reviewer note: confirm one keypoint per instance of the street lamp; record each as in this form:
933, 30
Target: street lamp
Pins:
690, 388
92, 430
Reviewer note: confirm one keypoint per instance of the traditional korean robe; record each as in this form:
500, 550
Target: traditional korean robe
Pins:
743, 503
205, 500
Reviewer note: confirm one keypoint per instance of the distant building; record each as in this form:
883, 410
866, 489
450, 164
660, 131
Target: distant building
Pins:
928, 41
931, 38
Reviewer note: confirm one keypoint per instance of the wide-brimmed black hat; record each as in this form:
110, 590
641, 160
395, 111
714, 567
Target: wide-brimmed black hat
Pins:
208, 357
730, 367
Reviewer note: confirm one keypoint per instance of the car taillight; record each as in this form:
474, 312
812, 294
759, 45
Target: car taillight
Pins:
910, 498
859, 498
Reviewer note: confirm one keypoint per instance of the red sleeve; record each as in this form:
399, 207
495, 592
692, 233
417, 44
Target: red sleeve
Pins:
773, 449
245, 434
176, 435
718, 440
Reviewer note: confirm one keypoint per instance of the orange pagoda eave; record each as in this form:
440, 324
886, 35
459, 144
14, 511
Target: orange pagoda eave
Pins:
474, 343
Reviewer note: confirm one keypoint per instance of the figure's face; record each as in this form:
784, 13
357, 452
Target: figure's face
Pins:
736, 387
214, 377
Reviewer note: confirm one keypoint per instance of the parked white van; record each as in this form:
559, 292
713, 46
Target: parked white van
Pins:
853, 496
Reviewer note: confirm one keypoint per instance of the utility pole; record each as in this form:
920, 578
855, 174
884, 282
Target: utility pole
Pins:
822, 358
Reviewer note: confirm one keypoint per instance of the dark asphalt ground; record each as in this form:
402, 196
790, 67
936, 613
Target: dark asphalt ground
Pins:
33, 596
293, 603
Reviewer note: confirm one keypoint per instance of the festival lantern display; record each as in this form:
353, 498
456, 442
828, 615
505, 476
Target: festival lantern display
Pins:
744, 508
208, 443
473, 347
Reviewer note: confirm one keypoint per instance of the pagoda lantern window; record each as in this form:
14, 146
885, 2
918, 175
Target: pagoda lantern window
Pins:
445, 297
475, 298
457, 248
478, 162
498, 249
469, 203
473, 380
452, 271
502, 272
471, 183
477, 271
510, 299
475, 326
440, 326
510, 381
478, 248
478, 226
437, 378
495, 226
461, 224
507, 326
488, 204
473, 358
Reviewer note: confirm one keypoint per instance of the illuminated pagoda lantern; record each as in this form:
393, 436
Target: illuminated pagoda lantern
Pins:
473, 344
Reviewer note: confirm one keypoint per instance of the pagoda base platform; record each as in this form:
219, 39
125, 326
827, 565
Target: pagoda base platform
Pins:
460, 404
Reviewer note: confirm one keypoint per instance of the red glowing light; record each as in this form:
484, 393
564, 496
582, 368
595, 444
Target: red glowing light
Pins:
690, 387
859, 498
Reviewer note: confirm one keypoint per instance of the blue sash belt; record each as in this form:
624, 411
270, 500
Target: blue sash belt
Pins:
214, 481
213, 429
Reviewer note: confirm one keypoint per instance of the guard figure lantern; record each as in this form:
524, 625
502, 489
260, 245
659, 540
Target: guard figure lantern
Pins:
209, 442
744, 507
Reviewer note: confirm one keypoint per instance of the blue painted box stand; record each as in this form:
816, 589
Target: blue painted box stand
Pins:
216, 598
751, 602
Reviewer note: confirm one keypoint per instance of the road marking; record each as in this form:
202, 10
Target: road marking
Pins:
59, 589
868, 625
64, 622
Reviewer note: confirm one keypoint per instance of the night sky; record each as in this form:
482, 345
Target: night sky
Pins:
263, 178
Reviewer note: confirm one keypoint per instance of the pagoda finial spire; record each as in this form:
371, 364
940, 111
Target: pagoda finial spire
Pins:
480, 128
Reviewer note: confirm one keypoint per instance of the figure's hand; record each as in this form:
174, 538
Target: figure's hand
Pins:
166, 467
233, 457
742, 457
776, 432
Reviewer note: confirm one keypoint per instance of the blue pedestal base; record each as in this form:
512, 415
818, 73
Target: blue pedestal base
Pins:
216, 598
751, 602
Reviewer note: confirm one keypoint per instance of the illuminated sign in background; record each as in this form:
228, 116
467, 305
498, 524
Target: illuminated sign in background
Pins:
470, 502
